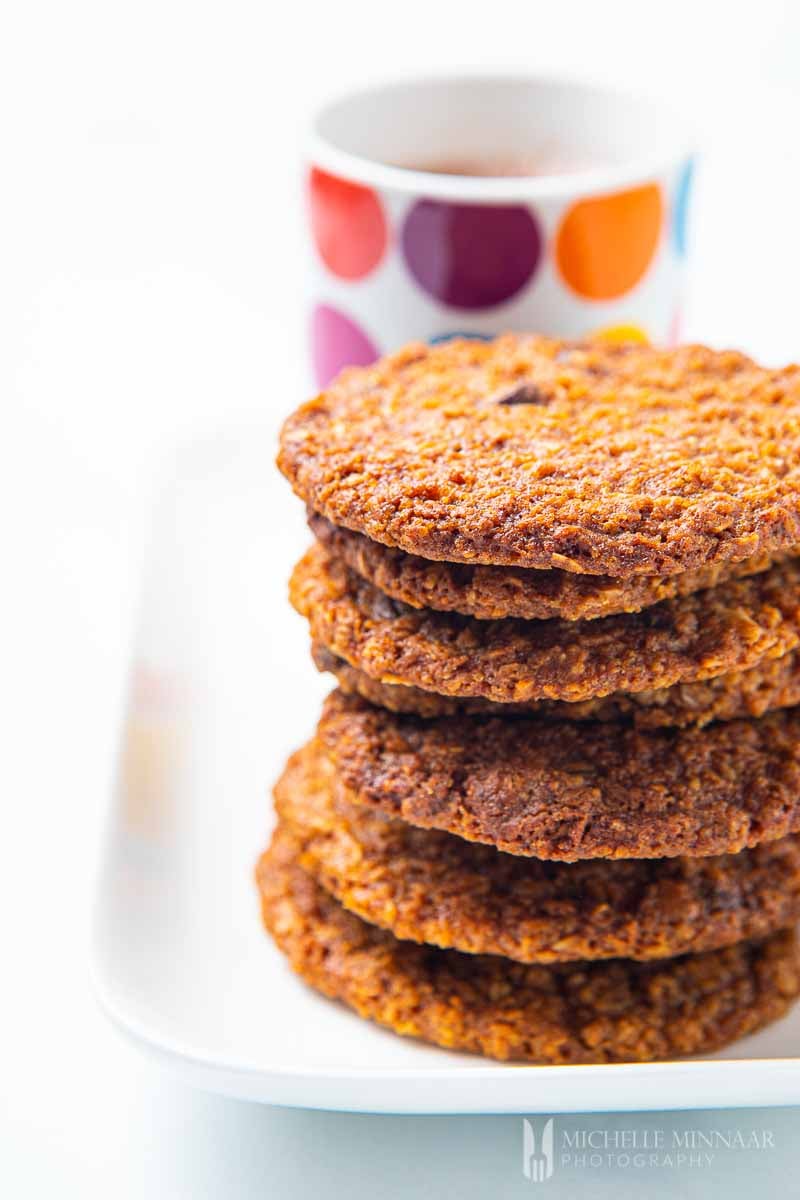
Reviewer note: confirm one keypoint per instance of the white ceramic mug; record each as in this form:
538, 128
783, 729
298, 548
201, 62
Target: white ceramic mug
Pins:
408, 245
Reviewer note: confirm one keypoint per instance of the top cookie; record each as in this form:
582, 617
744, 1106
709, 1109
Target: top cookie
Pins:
526, 451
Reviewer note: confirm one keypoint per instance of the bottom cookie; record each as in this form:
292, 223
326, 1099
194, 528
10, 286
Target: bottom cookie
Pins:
613, 1011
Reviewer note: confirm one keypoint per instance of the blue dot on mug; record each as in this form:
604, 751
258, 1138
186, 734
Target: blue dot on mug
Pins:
469, 334
337, 342
471, 256
680, 210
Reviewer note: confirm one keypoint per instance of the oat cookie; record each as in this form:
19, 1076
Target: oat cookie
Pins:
609, 1011
432, 887
492, 592
678, 641
587, 457
568, 790
772, 683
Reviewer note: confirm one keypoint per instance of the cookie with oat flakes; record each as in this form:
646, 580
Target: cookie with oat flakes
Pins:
531, 452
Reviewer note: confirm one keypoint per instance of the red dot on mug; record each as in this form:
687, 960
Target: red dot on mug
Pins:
337, 342
348, 224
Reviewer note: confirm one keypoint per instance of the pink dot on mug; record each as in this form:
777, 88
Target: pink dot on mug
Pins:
337, 342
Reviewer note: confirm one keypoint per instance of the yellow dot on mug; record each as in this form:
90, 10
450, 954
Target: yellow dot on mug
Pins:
618, 334
605, 244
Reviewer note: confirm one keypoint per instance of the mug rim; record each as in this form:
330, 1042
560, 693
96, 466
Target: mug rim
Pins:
320, 151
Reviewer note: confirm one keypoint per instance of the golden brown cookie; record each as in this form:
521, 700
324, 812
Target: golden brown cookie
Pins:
526, 451
690, 638
772, 683
569, 790
426, 886
611, 1011
489, 593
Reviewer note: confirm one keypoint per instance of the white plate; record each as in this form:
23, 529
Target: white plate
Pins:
222, 689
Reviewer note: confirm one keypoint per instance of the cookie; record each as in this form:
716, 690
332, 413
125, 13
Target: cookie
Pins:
611, 1011
567, 790
772, 683
525, 451
489, 593
425, 886
690, 638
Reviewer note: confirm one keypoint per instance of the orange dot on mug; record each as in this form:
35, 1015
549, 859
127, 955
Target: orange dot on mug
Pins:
348, 223
605, 244
619, 334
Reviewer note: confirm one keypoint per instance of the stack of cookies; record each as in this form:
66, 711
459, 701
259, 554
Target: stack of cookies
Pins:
552, 810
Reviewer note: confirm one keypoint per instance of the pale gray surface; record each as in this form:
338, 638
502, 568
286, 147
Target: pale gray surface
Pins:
288, 1154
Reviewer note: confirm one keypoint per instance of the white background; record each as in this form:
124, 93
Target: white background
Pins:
151, 290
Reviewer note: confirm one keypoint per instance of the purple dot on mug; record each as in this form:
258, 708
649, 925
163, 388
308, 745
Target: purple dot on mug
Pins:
471, 256
337, 342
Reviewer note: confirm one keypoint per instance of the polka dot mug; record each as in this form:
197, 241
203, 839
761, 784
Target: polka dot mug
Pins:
474, 206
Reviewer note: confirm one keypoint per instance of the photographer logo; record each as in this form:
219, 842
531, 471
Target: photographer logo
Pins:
537, 1156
